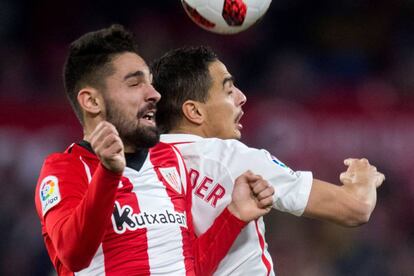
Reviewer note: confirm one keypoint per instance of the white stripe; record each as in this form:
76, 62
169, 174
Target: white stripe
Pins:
87, 170
182, 169
97, 265
165, 246
245, 255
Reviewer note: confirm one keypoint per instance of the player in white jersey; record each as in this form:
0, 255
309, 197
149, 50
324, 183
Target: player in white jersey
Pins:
200, 102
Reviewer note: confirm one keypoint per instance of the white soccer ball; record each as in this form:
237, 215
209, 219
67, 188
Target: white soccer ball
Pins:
225, 16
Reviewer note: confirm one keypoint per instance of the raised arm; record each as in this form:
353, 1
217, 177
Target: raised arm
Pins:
350, 204
77, 224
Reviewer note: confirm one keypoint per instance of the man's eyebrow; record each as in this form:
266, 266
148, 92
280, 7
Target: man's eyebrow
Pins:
228, 79
138, 73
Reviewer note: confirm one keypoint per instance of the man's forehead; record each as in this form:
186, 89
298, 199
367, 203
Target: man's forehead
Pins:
218, 71
218, 66
128, 63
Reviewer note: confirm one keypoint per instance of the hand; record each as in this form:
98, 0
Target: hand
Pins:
108, 146
362, 179
252, 197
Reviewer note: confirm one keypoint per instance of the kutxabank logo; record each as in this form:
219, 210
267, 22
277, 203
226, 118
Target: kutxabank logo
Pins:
124, 218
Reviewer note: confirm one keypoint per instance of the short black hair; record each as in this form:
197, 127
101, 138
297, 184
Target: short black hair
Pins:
89, 60
180, 75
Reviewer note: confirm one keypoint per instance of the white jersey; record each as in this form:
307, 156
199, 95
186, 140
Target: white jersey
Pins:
213, 165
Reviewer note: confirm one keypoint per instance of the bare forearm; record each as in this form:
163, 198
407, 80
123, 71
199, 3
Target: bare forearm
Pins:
350, 204
340, 205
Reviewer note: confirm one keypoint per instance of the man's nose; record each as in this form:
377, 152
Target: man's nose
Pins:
241, 97
152, 94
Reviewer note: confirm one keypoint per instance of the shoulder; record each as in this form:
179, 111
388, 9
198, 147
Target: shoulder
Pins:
221, 142
238, 157
228, 143
64, 165
163, 151
164, 155
61, 159
225, 151
61, 175
211, 147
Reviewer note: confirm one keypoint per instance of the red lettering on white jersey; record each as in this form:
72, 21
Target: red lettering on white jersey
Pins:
217, 193
204, 190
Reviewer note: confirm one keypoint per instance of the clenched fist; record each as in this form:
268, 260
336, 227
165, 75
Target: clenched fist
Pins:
362, 180
108, 146
252, 197
361, 171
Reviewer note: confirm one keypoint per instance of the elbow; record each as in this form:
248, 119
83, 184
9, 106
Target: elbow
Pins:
74, 261
74, 264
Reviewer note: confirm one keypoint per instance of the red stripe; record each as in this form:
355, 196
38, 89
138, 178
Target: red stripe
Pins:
164, 156
130, 251
261, 241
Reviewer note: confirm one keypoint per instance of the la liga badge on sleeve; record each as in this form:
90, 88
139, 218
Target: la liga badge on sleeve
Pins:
49, 193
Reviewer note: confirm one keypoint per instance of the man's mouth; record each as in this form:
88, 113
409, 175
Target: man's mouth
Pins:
237, 121
150, 116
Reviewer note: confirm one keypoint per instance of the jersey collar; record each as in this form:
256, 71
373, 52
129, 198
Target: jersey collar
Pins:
82, 148
179, 138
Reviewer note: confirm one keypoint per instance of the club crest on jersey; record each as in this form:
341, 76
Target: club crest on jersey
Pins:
124, 218
172, 177
49, 193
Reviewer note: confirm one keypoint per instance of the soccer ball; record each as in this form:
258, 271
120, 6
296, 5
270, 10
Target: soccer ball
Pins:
225, 16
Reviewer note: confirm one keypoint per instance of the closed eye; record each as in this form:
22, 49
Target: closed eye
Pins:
229, 81
135, 78
134, 84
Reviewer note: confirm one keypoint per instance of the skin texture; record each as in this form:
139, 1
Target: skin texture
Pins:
108, 147
350, 204
220, 115
223, 108
126, 99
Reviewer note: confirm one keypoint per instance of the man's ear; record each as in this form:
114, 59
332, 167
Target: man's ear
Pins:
90, 101
193, 111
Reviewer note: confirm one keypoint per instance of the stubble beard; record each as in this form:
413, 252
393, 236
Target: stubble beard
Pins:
130, 132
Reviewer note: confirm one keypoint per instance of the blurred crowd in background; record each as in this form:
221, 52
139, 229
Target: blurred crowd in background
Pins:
325, 80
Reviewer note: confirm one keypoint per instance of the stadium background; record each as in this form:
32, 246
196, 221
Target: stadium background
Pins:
325, 80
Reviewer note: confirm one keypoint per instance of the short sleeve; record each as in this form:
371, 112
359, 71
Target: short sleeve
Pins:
292, 188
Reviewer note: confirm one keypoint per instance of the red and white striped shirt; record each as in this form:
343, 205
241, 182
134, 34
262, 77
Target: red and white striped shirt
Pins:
96, 222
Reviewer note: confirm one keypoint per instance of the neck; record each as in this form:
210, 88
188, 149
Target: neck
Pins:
87, 131
129, 149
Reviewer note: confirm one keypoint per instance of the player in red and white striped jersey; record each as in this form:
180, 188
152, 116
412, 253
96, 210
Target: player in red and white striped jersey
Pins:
199, 102
110, 206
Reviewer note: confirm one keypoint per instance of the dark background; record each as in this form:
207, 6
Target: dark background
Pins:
325, 80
